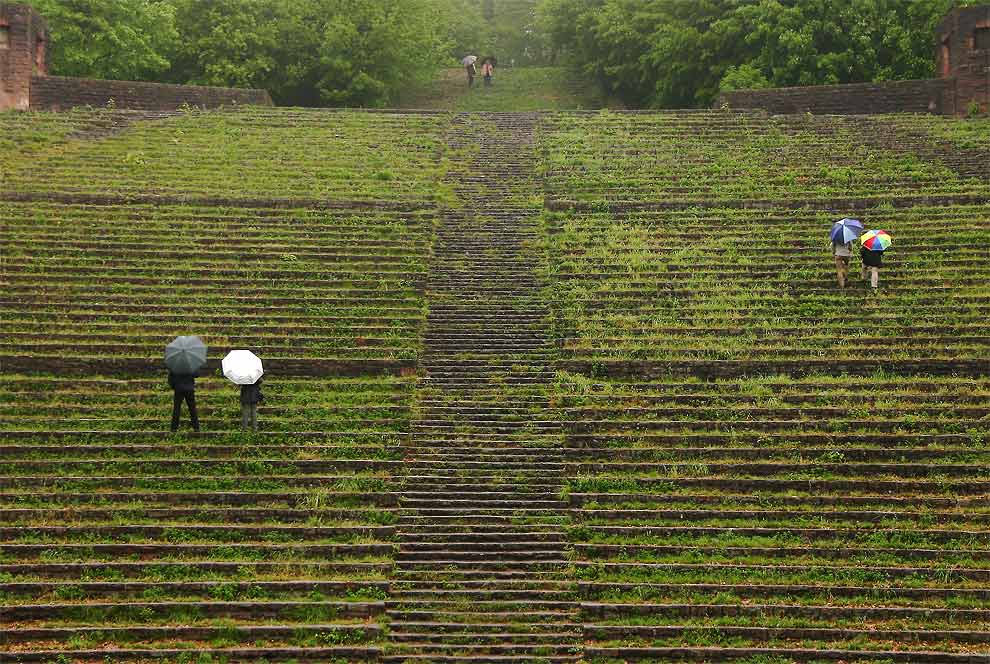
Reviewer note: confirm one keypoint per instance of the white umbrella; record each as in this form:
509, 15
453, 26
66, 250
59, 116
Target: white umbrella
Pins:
469, 60
242, 367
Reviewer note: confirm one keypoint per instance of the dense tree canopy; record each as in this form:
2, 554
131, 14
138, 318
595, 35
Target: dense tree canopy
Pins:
364, 52
338, 52
681, 53
119, 39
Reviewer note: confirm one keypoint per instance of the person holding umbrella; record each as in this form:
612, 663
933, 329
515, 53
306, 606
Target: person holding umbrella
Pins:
488, 70
469, 67
842, 235
874, 244
244, 368
184, 357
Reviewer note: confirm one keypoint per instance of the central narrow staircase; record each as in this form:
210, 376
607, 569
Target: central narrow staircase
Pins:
480, 574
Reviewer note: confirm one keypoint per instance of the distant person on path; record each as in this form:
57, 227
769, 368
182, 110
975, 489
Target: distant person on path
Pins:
842, 254
184, 389
488, 70
251, 396
469, 67
872, 262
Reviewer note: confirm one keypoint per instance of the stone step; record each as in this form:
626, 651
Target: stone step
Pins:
463, 554
514, 454
482, 585
459, 575
435, 483
475, 658
561, 612
497, 535
420, 504
551, 559
403, 596
479, 520
478, 653
481, 637
443, 463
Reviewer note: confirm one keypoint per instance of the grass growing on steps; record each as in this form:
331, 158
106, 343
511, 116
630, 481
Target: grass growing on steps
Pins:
514, 89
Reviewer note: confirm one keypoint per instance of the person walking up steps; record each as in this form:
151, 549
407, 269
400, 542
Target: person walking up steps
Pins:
842, 254
842, 235
251, 396
874, 244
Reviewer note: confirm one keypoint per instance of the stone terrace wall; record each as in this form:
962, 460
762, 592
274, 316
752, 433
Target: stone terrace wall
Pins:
56, 93
924, 96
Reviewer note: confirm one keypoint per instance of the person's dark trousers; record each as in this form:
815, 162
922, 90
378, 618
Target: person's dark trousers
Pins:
190, 399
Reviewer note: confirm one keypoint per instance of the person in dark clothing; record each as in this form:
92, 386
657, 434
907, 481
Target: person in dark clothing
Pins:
184, 389
872, 262
251, 396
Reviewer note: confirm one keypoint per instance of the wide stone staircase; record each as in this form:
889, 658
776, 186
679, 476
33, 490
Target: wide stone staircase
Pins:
482, 553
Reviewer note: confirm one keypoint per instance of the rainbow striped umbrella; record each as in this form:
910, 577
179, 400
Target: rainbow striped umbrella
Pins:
845, 231
876, 240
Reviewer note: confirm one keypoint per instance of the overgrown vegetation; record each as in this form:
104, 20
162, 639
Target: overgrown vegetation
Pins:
305, 52
676, 54
829, 492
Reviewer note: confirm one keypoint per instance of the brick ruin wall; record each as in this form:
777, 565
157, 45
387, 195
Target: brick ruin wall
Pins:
25, 84
55, 93
964, 54
23, 53
926, 96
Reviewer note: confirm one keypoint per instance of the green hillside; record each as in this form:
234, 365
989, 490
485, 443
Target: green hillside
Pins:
551, 386
513, 89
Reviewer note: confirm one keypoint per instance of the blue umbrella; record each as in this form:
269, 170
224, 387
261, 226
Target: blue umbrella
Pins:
846, 231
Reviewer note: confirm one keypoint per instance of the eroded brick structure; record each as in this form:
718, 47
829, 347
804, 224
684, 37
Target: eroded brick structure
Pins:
963, 56
23, 53
25, 83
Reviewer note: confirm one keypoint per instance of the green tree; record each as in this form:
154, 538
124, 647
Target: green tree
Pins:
464, 30
310, 52
677, 53
112, 39
371, 50
228, 42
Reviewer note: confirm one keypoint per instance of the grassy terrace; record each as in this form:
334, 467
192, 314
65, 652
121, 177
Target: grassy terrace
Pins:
834, 497
133, 541
120, 281
716, 513
973, 134
754, 459
302, 235
608, 159
739, 284
375, 407
247, 153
